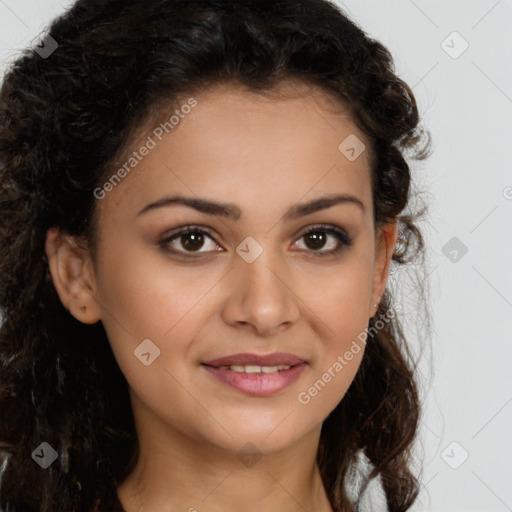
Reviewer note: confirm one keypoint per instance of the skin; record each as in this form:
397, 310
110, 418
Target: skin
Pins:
264, 154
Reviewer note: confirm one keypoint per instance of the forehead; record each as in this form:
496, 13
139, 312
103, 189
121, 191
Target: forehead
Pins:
278, 145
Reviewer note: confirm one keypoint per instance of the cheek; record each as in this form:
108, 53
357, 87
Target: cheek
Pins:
140, 294
140, 302
342, 305
335, 370
340, 295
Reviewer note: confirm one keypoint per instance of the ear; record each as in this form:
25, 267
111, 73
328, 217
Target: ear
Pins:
385, 247
72, 272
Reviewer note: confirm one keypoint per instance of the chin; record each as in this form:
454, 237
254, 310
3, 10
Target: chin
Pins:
264, 437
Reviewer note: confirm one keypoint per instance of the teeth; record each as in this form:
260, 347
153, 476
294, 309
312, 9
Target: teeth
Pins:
256, 369
252, 369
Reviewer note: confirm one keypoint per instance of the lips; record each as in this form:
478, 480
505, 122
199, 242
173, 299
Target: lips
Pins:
255, 375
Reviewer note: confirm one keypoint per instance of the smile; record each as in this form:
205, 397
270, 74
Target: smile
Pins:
257, 376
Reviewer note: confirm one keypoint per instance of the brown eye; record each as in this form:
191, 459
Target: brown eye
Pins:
317, 237
192, 241
187, 241
315, 240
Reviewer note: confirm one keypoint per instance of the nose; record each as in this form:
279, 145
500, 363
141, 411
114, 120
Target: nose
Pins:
263, 299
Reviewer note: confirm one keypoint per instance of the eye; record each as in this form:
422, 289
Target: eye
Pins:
191, 239
317, 236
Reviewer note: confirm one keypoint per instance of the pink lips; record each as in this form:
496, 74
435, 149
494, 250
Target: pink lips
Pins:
257, 384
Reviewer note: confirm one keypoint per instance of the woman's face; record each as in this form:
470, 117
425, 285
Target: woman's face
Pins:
222, 334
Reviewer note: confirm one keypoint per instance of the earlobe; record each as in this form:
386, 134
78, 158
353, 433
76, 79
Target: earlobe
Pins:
73, 275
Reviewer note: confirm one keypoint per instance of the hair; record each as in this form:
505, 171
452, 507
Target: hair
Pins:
65, 119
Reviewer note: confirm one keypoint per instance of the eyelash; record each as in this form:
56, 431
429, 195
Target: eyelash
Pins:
342, 237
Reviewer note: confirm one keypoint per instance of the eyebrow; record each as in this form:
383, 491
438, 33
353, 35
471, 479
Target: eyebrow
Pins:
231, 210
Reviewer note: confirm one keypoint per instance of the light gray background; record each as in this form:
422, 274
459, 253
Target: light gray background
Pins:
466, 102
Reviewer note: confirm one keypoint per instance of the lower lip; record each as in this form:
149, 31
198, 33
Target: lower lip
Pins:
258, 384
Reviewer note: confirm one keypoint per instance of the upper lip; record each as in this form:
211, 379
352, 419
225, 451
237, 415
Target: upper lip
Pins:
275, 359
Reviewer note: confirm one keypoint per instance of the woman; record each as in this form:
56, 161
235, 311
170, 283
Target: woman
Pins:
200, 204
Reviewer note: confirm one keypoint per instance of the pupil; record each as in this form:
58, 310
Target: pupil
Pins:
197, 241
318, 240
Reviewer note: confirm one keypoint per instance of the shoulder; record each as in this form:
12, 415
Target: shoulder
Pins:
373, 498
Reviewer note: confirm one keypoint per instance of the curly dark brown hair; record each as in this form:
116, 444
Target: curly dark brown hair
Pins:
63, 121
